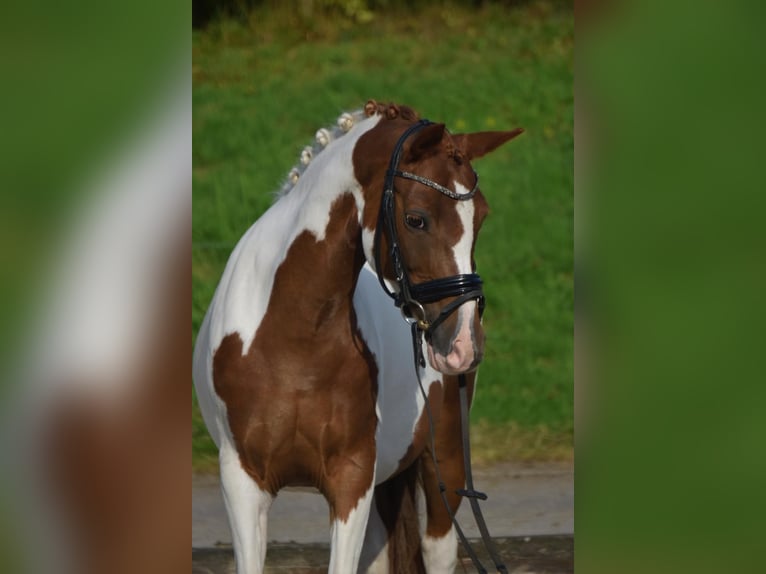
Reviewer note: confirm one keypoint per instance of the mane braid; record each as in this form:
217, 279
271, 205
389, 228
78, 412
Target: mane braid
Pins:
344, 123
322, 138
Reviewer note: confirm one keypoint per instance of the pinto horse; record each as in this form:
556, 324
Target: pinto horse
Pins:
304, 369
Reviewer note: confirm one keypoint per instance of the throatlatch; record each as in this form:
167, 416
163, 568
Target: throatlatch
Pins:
410, 299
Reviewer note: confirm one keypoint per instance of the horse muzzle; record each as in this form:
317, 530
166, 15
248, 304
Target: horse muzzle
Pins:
460, 349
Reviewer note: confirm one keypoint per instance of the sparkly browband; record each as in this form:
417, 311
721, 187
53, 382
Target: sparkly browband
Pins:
440, 188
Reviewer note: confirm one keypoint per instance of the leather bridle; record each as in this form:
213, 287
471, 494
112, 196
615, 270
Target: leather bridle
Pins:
411, 297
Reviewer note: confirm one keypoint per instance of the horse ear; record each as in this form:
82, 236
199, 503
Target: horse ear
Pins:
425, 141
481, 143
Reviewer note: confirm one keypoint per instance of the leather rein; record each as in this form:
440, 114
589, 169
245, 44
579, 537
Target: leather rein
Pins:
410, 300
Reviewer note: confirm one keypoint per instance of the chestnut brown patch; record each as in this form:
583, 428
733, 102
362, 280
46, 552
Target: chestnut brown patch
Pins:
449, 450
301, 401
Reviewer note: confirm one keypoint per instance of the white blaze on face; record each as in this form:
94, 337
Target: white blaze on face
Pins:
461, 355
462, 249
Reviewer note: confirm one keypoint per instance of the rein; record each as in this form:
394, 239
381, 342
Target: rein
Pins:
410, 299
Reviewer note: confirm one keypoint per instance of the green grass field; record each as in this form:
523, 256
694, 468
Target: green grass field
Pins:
262, 88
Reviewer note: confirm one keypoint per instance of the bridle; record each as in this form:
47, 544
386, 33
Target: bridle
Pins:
411, 297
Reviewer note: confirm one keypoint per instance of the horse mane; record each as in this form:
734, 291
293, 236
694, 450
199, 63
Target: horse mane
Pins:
343, 125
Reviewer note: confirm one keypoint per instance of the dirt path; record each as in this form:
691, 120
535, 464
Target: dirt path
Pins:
530, 512
527, 555
525, 500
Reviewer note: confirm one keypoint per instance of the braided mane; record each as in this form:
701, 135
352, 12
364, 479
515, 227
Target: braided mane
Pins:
344, 123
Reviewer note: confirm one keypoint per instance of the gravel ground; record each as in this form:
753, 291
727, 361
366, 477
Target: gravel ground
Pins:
527, 555
530, 513
524, 500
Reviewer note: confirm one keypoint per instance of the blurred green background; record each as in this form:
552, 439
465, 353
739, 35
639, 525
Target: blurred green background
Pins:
266, 75
670, 207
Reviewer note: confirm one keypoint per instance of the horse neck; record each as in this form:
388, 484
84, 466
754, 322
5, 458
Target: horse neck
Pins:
322, 267
303, 256
318, 224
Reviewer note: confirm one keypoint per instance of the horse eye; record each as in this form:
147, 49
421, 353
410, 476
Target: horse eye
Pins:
415, 221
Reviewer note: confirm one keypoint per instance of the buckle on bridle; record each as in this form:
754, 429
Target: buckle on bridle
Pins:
418, 316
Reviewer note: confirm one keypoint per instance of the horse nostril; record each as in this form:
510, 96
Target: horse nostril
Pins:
454, 361
457, 356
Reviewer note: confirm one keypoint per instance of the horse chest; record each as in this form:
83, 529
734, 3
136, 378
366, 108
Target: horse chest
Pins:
289, 416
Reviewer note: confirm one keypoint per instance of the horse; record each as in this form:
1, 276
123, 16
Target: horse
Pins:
305, 371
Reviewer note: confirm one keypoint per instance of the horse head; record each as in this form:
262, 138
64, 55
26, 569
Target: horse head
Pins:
422, 230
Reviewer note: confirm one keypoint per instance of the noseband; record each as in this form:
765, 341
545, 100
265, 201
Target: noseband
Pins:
412, 297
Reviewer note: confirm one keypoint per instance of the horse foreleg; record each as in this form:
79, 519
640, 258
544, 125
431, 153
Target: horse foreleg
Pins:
247, 506
440, 553
374, 558
350, 508
440, 541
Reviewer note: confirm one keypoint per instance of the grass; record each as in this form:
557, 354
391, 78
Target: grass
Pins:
498, 442
263, 87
